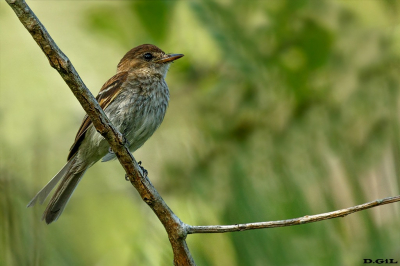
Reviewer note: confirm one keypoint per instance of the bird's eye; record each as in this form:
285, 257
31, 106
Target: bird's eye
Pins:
148, 56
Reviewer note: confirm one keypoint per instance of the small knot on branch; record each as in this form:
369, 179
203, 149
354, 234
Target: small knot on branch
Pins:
148, 200
182, 230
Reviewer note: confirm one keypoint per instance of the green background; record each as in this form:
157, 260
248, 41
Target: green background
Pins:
279, 109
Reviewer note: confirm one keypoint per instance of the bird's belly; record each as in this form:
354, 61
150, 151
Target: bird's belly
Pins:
139, 130
138, 122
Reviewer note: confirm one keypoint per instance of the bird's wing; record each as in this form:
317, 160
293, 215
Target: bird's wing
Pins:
106, 95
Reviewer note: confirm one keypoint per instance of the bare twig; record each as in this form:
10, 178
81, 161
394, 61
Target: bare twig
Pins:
58, 60
302, 220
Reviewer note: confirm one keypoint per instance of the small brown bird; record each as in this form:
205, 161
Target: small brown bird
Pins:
135, 100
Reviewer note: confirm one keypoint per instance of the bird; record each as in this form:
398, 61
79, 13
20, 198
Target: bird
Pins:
135, 100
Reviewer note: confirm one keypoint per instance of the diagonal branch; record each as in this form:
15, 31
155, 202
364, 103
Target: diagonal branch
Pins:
58, 60
302, 220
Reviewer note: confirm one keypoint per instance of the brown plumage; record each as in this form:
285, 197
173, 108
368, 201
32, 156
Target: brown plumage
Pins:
107, 93
135, 100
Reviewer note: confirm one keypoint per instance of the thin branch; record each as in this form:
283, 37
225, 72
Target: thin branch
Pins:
58, 60
302, 220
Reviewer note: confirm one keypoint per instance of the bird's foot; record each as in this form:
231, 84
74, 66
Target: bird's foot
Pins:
126, 142
144, 171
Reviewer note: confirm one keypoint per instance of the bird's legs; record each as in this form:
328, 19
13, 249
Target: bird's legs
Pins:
125, 142
144, 171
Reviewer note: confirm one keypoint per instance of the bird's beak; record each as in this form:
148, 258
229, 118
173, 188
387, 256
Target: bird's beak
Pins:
169, 58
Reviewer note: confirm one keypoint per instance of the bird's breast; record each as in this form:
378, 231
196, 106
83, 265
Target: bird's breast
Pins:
140, 112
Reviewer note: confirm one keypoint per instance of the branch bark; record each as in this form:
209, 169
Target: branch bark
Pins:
176, 230
296, 221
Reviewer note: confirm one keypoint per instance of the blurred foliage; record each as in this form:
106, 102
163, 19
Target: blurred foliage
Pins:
279, 109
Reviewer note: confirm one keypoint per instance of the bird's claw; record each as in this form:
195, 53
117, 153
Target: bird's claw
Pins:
144, 171
126, 142
110, 150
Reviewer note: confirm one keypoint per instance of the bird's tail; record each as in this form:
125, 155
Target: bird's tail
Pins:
45, 191
62, 195
69, 180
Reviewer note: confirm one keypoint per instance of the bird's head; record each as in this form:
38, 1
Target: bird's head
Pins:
147, 59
